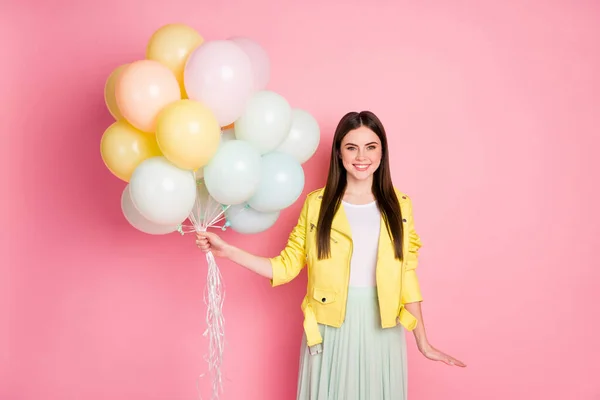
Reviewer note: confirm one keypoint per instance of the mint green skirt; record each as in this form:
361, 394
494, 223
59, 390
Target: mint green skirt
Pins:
360, 360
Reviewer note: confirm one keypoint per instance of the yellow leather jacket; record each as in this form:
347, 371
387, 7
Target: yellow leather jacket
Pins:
325, 301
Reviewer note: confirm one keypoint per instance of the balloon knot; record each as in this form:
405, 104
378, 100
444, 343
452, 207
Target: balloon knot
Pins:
226, 225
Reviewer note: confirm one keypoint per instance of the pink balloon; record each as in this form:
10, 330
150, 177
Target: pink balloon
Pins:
218, 73
144, 88
261, 66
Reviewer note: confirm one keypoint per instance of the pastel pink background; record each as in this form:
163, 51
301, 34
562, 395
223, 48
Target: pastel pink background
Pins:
492, 110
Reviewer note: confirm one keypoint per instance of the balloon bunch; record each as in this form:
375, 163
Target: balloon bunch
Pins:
203, 144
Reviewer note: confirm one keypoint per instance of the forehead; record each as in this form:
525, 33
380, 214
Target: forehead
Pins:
360, 136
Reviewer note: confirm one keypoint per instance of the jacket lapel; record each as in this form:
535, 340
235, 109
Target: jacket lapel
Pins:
342, 225
385, 241
340, 222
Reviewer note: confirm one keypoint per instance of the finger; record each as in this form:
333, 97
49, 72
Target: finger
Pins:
204, 246
447, 361
453, 362
458, 363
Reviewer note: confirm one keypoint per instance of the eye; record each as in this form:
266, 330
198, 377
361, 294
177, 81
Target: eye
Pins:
372, 147
350, 148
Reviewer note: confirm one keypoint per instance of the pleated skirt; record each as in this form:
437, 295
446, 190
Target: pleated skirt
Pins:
360, 360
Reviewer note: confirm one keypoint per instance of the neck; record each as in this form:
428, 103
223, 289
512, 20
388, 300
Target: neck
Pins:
361, 187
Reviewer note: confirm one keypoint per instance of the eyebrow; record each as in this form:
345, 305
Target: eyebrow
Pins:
368, 144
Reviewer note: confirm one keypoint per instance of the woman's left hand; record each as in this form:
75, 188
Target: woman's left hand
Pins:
434, 354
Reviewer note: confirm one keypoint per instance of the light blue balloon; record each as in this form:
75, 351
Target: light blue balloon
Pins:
244, 219
281, 183
232, 175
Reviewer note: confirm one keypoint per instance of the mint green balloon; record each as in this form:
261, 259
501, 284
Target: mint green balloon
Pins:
281, 183
232, 175
244, 219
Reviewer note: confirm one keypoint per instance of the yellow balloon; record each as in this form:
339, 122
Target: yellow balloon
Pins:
171, 45
109, 92
188, 134
124, 147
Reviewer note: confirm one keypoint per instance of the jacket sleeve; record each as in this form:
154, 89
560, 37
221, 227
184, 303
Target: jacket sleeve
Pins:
288, 264
411, 291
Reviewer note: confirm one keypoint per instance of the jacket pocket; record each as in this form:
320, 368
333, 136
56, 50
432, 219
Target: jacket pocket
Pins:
324, 296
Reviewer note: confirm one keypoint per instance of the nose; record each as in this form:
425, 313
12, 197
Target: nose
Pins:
360, 155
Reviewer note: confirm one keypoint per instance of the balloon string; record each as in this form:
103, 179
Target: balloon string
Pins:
206, 214
214, 297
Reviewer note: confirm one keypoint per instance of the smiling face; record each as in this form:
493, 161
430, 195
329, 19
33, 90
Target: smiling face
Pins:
360, 152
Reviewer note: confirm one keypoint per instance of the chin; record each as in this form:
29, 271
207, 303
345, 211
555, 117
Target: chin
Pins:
361, 176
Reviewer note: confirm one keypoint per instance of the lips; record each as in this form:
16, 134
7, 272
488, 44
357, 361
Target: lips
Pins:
361, 167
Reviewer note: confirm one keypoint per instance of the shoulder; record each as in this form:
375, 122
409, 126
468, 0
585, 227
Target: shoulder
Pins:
402, 197
312, 203
311, 199
404, 200
315, 195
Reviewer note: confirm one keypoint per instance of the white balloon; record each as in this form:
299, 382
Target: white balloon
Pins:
281, 183
161, 192
265, 122
138, 221
303, 138
233, 174
244, 219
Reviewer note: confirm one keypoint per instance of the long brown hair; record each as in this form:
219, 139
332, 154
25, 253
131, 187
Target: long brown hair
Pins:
383, 188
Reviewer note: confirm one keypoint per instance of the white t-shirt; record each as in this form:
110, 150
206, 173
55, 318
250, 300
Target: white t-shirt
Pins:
365, 223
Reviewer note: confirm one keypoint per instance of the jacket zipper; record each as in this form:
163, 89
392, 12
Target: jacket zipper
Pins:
401, 278
348, 266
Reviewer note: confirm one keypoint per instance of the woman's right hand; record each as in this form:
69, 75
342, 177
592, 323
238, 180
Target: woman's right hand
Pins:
208, 241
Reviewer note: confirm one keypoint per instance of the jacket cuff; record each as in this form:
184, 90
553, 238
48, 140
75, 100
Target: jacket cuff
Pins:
278, 270
411, 290
407, 320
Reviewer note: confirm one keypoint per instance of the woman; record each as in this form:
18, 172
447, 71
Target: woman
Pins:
357, 238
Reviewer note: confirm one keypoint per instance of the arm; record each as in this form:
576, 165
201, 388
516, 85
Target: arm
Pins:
281, 269
423, 344
412, 297
288, 264
257, 264
419, 331
208, 241
411, 290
